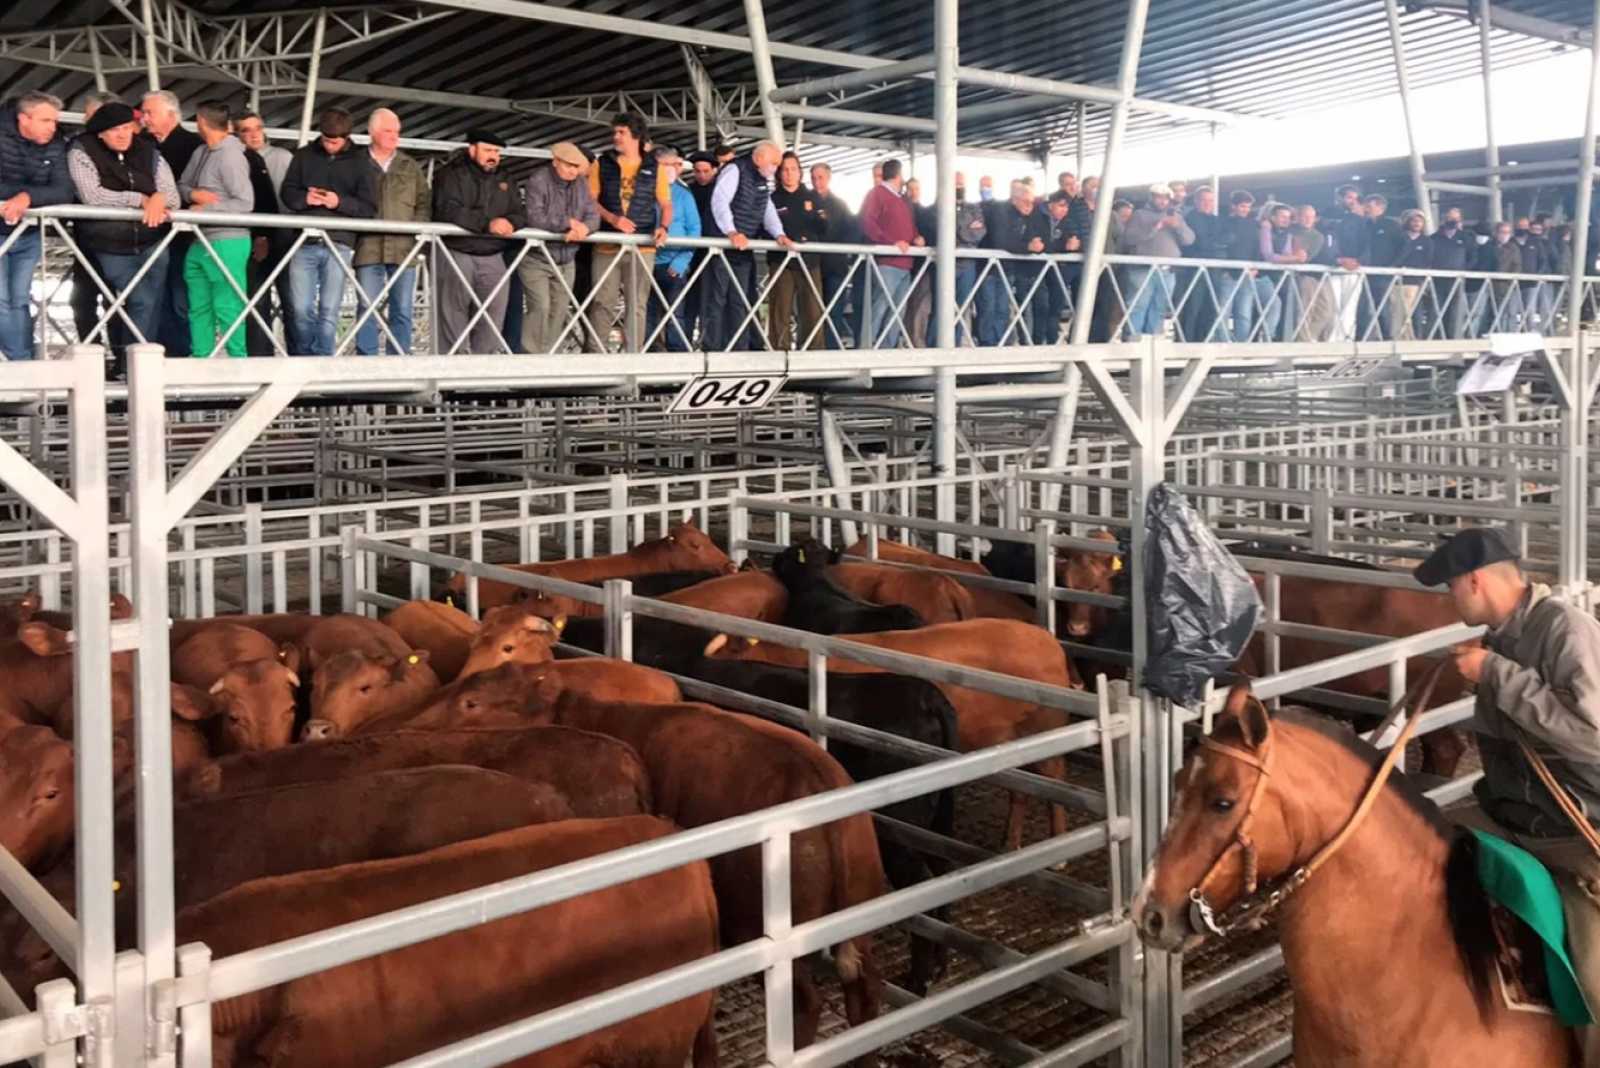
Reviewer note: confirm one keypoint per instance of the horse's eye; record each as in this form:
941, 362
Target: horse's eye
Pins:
1222, 804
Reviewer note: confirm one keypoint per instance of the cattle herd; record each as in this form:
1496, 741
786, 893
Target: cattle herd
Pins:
332, 768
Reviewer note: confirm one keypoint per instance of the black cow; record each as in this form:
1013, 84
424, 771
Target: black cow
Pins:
818, 604
895, 704
657, 643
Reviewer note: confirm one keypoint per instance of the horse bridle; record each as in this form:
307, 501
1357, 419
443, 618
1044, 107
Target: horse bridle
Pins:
1253, 907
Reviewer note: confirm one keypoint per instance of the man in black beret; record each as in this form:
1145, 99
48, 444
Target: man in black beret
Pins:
1538, 679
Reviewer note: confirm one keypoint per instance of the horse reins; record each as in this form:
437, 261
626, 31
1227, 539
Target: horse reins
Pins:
1253, 907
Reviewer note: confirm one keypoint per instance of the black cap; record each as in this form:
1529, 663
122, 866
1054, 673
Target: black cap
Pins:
1467, 551
109, 115
702, 157
481, 136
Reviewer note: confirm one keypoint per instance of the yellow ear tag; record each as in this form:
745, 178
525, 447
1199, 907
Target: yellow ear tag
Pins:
752, 641
413, 659
449, 601
801, 556
1116, 564
116, 885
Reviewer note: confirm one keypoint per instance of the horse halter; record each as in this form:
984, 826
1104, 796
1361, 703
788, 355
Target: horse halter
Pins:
1253, 908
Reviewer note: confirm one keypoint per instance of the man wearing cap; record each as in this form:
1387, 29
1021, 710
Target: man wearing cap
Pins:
1538, 680
327, 180
1158, 229
470, 192
112, 167
555, 198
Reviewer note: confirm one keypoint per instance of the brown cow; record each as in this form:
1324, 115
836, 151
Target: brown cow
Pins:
190, 709
750, 594
984, 719
511, 632
36, 794
685, 548
219, 843
516, 694
598, 776
281, 627
202, 659
37, 666
346, 633
936, 598
415, 999
445, 631
708, 765
987, 604
1093, 572
28, 608
353, 687
251, 680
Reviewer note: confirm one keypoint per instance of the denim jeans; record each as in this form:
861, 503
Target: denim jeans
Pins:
675, 338
887, 295
1151, 291
316, 285
16, 286
966, 278
993, 311
1236, 293
396, 310
143, 304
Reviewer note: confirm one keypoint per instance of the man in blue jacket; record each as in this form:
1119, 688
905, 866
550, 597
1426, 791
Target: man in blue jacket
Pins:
33, 174
673, 265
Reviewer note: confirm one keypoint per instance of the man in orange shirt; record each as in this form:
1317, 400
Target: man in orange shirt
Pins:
622, 182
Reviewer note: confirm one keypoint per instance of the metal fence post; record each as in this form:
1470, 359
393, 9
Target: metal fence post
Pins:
1044, 573
817, 693
619, 619
194, 1021
619, 522
738, 533
349, 569
779, 978
253, 538
57, 1001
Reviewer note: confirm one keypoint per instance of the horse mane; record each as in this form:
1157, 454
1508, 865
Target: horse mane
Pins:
1465, 901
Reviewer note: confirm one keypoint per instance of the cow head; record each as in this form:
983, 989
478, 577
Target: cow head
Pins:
43, 639
253, 703
351, 688
692, 550
512, 694
804, 564
1089, 572
512, 634
36, 794
551, 606
18, 612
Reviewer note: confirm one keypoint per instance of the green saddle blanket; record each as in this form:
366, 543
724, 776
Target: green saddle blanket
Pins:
1520, 882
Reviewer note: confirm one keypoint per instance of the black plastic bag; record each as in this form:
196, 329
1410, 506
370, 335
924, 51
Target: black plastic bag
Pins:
1200, 604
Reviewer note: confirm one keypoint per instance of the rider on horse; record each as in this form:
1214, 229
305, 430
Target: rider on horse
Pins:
1538, 684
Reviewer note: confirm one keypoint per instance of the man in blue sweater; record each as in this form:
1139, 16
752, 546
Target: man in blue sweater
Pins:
33, 174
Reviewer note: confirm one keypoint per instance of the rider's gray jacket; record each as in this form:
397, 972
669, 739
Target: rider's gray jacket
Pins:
1541, 679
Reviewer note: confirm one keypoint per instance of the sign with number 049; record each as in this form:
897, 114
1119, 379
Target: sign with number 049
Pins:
726, 393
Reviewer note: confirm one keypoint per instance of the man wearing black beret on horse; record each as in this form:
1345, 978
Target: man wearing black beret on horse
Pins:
1538, 721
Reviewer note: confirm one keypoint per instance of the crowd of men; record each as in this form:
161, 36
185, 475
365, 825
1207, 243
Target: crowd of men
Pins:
497, 291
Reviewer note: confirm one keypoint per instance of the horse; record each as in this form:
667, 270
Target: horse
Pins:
1381, 920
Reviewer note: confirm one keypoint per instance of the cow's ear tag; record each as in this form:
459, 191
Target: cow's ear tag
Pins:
449, 601
413, 659
561, 624
801, 555
752, 641
1116, 564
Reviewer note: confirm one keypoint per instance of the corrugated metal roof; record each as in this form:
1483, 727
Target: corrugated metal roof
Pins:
1256, 57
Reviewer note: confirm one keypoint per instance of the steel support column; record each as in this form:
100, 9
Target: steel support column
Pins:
1403, 77
1573, 570
96, 61
1492, 147
756, 19
308, 109
151, 64
1083, 117
946, 48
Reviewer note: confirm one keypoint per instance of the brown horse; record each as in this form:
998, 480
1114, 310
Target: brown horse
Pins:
1380, 922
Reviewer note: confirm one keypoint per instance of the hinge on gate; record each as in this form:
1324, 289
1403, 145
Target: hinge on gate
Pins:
100, 1025
162, 1028
1099, 923
66, 1026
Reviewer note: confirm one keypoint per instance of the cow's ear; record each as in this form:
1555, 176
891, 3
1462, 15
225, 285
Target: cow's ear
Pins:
834, 554
121, 607
41, 639
27, 606
404, 665
192, 704
290, 656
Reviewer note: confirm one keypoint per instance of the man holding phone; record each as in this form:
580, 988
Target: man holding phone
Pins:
330, 180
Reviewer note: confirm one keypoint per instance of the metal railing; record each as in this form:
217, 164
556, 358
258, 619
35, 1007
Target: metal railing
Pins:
832, 295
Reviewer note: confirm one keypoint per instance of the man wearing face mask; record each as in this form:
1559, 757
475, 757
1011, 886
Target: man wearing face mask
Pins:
470, 192
985, 189
1453, 249
741, 206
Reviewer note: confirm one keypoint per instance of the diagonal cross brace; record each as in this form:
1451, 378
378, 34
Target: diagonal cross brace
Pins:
1116, 402
33, 486
225, 448
1182, 394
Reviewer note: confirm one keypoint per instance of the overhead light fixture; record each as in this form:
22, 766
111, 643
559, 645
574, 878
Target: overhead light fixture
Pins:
1355, 177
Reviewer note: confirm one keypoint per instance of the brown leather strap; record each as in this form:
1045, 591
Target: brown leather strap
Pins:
1585, 829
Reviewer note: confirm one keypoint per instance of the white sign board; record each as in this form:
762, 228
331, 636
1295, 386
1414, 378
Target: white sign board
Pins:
1490, 374
726, 393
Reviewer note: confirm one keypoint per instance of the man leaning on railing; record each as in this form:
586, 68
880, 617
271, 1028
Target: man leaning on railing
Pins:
113, 167
385, 259
217, 180
470, 192
33, 174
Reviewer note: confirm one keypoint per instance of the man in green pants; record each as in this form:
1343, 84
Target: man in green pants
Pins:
217, 179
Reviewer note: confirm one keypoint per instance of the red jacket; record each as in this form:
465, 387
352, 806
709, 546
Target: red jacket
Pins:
886, 218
